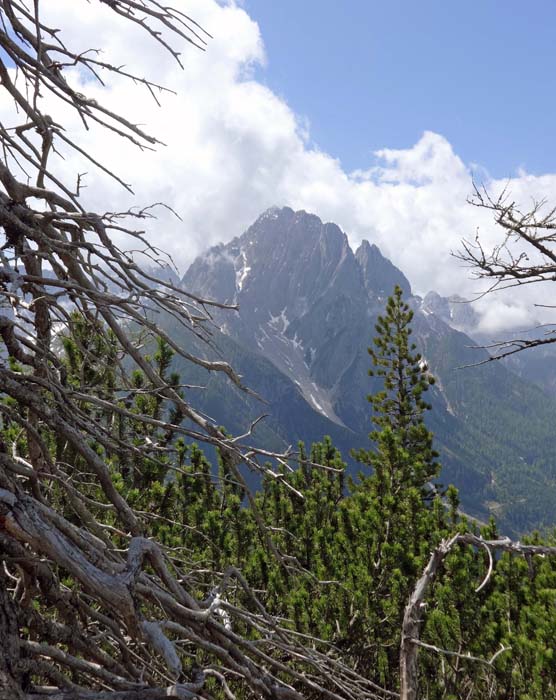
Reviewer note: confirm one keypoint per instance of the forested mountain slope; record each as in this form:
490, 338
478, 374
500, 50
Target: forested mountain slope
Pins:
308, 306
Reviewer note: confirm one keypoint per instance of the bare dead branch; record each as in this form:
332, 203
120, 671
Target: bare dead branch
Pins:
127, 623
524, 255
412, 621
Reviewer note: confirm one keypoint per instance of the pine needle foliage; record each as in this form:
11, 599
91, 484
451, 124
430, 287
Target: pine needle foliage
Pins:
404, 456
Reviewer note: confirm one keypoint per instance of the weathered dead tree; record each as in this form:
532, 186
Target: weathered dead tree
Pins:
414, 611
525, 255
90, 609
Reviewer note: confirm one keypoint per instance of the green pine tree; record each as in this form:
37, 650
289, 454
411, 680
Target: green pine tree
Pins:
397, 514
404, 454
403, 459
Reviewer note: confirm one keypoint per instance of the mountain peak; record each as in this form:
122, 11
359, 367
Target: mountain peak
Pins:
286, 213
274, 212
380, 276
453, 310
287, 216
288, 257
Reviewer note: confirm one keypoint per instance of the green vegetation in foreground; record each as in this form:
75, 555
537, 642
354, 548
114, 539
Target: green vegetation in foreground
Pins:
352, 549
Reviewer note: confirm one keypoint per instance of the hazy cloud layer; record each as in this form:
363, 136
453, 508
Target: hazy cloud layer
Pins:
234, 148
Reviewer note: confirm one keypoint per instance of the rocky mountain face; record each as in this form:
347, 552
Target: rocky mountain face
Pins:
453, 310
307, 309
536, 366
304, 297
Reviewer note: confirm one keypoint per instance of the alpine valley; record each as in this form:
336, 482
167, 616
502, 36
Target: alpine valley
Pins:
308, 305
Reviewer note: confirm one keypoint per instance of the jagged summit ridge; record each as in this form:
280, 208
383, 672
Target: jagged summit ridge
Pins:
302, 294
297, 253
379, 274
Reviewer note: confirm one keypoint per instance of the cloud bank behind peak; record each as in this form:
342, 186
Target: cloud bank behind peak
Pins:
235, 148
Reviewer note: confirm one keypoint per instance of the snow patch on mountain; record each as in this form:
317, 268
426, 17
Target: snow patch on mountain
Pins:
288, 355
281, 322
316, 404
242, 272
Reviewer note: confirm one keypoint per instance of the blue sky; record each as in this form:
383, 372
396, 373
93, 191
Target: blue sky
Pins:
370, 75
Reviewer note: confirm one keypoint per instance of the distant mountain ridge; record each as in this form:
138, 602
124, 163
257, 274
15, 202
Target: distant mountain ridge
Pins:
308, 305
536, 366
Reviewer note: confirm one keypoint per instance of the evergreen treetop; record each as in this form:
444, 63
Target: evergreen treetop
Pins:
404, 445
